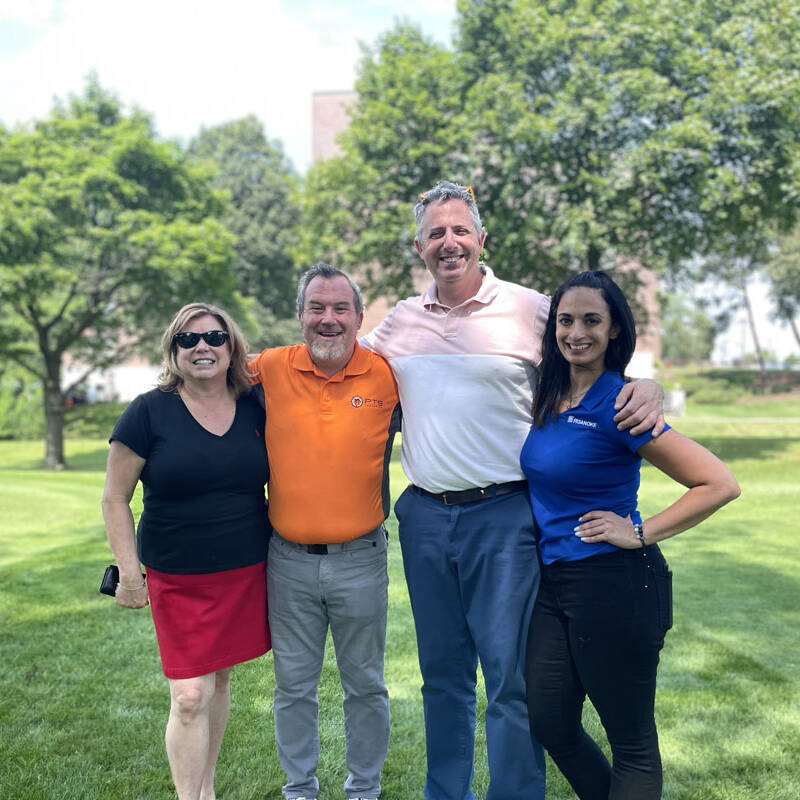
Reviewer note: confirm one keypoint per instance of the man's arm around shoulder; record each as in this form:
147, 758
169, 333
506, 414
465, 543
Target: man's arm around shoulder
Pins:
640, 407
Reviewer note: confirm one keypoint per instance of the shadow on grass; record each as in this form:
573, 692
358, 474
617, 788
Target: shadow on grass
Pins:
22, 463
727, 676
26, 459
87, 703
90, 461
730, 448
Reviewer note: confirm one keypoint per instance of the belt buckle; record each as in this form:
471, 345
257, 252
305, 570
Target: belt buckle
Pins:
481, 491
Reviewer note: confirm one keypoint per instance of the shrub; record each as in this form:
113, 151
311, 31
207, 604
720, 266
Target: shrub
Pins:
91, 420
21, 410
718, 394
711, 390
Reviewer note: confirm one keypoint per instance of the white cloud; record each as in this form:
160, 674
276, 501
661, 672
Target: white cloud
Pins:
195, 63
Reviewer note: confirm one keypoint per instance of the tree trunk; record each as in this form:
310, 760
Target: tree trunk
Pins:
796, 332
756, 343
54, 421
593, 256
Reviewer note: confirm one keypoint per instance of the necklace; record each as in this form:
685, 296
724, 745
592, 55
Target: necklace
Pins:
571, 400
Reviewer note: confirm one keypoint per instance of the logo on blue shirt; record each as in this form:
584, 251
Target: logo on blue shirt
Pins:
577, 421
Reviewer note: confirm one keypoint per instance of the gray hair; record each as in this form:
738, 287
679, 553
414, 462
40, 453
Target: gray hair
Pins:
441, 193
327, 272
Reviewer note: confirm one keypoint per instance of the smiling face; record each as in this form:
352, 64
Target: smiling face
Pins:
330, 322
451, 247
583, 328
203, 362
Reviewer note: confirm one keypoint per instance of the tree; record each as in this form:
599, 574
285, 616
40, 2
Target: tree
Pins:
402, 139
735, 261
104, 232
592, 132
687, 334
263, 215
637, 127
782, 270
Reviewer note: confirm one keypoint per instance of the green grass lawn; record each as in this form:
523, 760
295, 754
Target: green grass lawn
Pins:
83, 702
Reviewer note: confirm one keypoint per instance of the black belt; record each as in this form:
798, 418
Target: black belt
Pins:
369, 539
471, 495
336, 547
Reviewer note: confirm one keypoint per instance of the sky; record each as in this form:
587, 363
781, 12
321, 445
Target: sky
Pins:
198, 63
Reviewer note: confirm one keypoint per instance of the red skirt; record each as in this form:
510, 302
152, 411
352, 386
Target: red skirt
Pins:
206, 622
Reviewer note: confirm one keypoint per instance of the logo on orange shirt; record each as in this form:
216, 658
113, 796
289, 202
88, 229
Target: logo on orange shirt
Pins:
357, 402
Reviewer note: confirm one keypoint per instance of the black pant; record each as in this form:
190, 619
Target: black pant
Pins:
597, 628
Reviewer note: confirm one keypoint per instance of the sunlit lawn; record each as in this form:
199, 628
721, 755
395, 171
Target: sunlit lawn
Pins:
83, 701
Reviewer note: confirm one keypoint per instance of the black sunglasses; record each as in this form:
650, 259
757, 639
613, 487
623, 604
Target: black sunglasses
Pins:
187, 339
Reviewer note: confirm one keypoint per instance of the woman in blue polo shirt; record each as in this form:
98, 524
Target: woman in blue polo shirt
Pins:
605, 599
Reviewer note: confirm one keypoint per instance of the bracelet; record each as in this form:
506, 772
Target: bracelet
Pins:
132, 588
638, 529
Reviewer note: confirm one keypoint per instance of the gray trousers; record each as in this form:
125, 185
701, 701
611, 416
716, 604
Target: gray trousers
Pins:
347, 590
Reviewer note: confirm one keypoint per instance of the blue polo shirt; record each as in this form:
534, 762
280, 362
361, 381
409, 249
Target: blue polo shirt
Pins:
580, 462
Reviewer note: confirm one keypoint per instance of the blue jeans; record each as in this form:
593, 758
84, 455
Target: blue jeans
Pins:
472, 573
597, 628
347, 590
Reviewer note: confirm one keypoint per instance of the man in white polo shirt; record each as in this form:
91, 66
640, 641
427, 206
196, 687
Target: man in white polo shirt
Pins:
464, 356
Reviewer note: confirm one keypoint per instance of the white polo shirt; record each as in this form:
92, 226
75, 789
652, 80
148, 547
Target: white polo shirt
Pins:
466, 378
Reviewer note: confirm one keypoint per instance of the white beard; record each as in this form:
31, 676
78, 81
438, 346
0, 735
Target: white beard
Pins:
324, 350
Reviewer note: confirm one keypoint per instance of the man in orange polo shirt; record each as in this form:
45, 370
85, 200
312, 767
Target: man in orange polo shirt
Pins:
331, 414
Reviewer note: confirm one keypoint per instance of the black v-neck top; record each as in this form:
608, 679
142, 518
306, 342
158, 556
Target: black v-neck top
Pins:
204, 507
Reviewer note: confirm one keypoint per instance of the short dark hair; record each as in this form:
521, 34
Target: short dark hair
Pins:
322, 270
554, 377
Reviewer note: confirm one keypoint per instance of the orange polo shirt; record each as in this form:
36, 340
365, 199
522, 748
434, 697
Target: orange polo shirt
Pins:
329, 442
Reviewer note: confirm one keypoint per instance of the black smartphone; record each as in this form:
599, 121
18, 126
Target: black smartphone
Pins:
110, 580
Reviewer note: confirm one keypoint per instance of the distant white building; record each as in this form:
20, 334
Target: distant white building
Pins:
119, 383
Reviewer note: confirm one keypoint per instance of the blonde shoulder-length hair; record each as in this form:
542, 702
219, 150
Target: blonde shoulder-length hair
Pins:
171, 377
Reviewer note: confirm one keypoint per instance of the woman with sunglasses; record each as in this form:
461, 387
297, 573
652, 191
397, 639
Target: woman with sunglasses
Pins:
196, 443
605, 601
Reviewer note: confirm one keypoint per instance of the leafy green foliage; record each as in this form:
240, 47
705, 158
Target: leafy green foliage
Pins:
92, 420
263, 214
687, 334
593, 132
782, 270
631, 127
403, 138
104, 232
709, 390
20, 405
